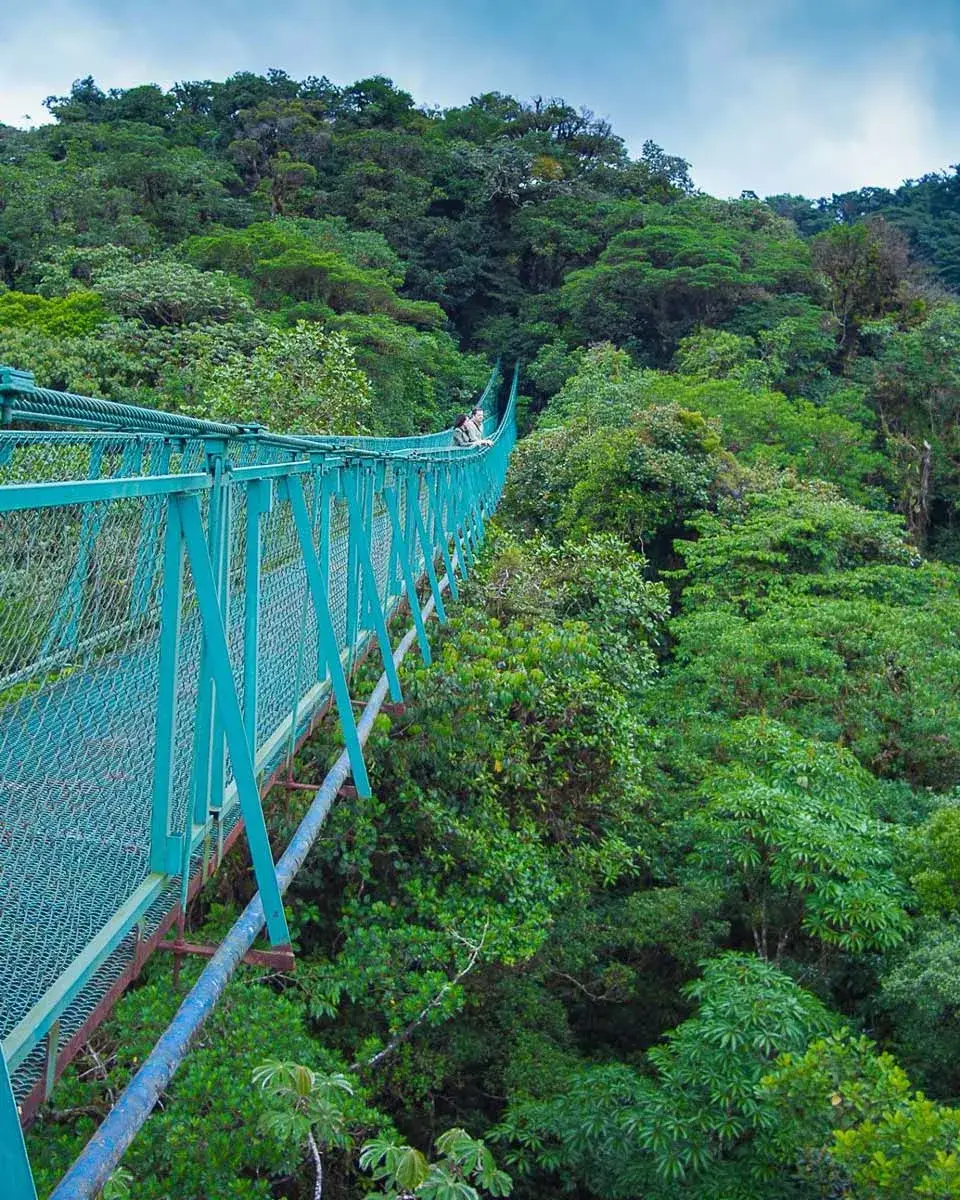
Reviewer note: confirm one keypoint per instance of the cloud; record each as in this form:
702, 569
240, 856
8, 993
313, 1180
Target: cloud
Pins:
810, 96
53, 45
59, 41
763, 116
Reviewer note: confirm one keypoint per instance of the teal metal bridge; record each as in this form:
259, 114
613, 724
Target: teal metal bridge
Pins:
180, 602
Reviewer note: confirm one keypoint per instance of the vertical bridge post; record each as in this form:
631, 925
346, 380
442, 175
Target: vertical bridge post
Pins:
14, 1164
187, 510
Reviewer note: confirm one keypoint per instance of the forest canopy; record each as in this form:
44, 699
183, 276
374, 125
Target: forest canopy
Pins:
660, 891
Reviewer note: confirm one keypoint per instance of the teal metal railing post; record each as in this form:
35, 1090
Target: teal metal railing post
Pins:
325, 632
315, 519
367, 482
375, 534
411, 487
476, 530
204, 725
450, 518
218, 752
438, 507
395, 585
259, 501
166, 852
400, 553
371, 590
351, 483
482, 499
230, 714
429, 552
329, 485
14, 1164
457, 485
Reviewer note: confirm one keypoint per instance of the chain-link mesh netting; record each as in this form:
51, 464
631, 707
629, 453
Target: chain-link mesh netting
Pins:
81, 595
78, 684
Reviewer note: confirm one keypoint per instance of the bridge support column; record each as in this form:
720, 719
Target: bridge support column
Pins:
164, 852
14, 1164
203, 732
371, 588
406, 572
187, 510
221, 565
428, 553
329, 484
331, 652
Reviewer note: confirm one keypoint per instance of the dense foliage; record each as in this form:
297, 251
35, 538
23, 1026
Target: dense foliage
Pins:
660, 891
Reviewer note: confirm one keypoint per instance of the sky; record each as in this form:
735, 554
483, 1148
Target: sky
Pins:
803, 96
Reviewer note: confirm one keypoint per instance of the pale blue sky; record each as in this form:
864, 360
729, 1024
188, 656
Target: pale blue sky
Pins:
808, 96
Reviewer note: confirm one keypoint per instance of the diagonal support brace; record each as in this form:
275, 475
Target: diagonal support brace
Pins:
435, 500
187, 512
327, 637
428, 553
374, 607
406, 571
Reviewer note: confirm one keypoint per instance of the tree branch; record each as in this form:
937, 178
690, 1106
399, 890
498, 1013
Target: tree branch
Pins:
406, 1033
318, 1164
577, 984
69, 1114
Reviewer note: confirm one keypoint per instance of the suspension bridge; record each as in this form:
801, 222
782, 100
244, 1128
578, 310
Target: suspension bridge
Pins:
181, 601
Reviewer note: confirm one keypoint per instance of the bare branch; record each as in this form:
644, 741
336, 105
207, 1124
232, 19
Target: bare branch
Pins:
577, 984
318, 1164
405, 1034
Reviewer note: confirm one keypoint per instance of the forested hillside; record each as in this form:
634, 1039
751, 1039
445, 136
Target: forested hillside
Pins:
660, 893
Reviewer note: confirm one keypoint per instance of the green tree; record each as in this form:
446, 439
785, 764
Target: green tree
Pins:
866, 265
845, 1118
171, 293
789, 826
72, 316
687, 1128
692, 263
465, 1169
297, 381
920, 995
306, 1110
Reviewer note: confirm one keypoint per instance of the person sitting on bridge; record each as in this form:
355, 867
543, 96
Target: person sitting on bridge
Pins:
476, 420
464, 434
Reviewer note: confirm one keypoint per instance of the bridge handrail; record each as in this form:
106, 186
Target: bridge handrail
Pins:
222, 540
22, 400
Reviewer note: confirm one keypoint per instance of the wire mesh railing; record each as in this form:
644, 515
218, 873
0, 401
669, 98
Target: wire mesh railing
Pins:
178, 601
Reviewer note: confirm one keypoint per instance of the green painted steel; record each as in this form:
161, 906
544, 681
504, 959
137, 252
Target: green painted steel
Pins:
14, 1164
178, 599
